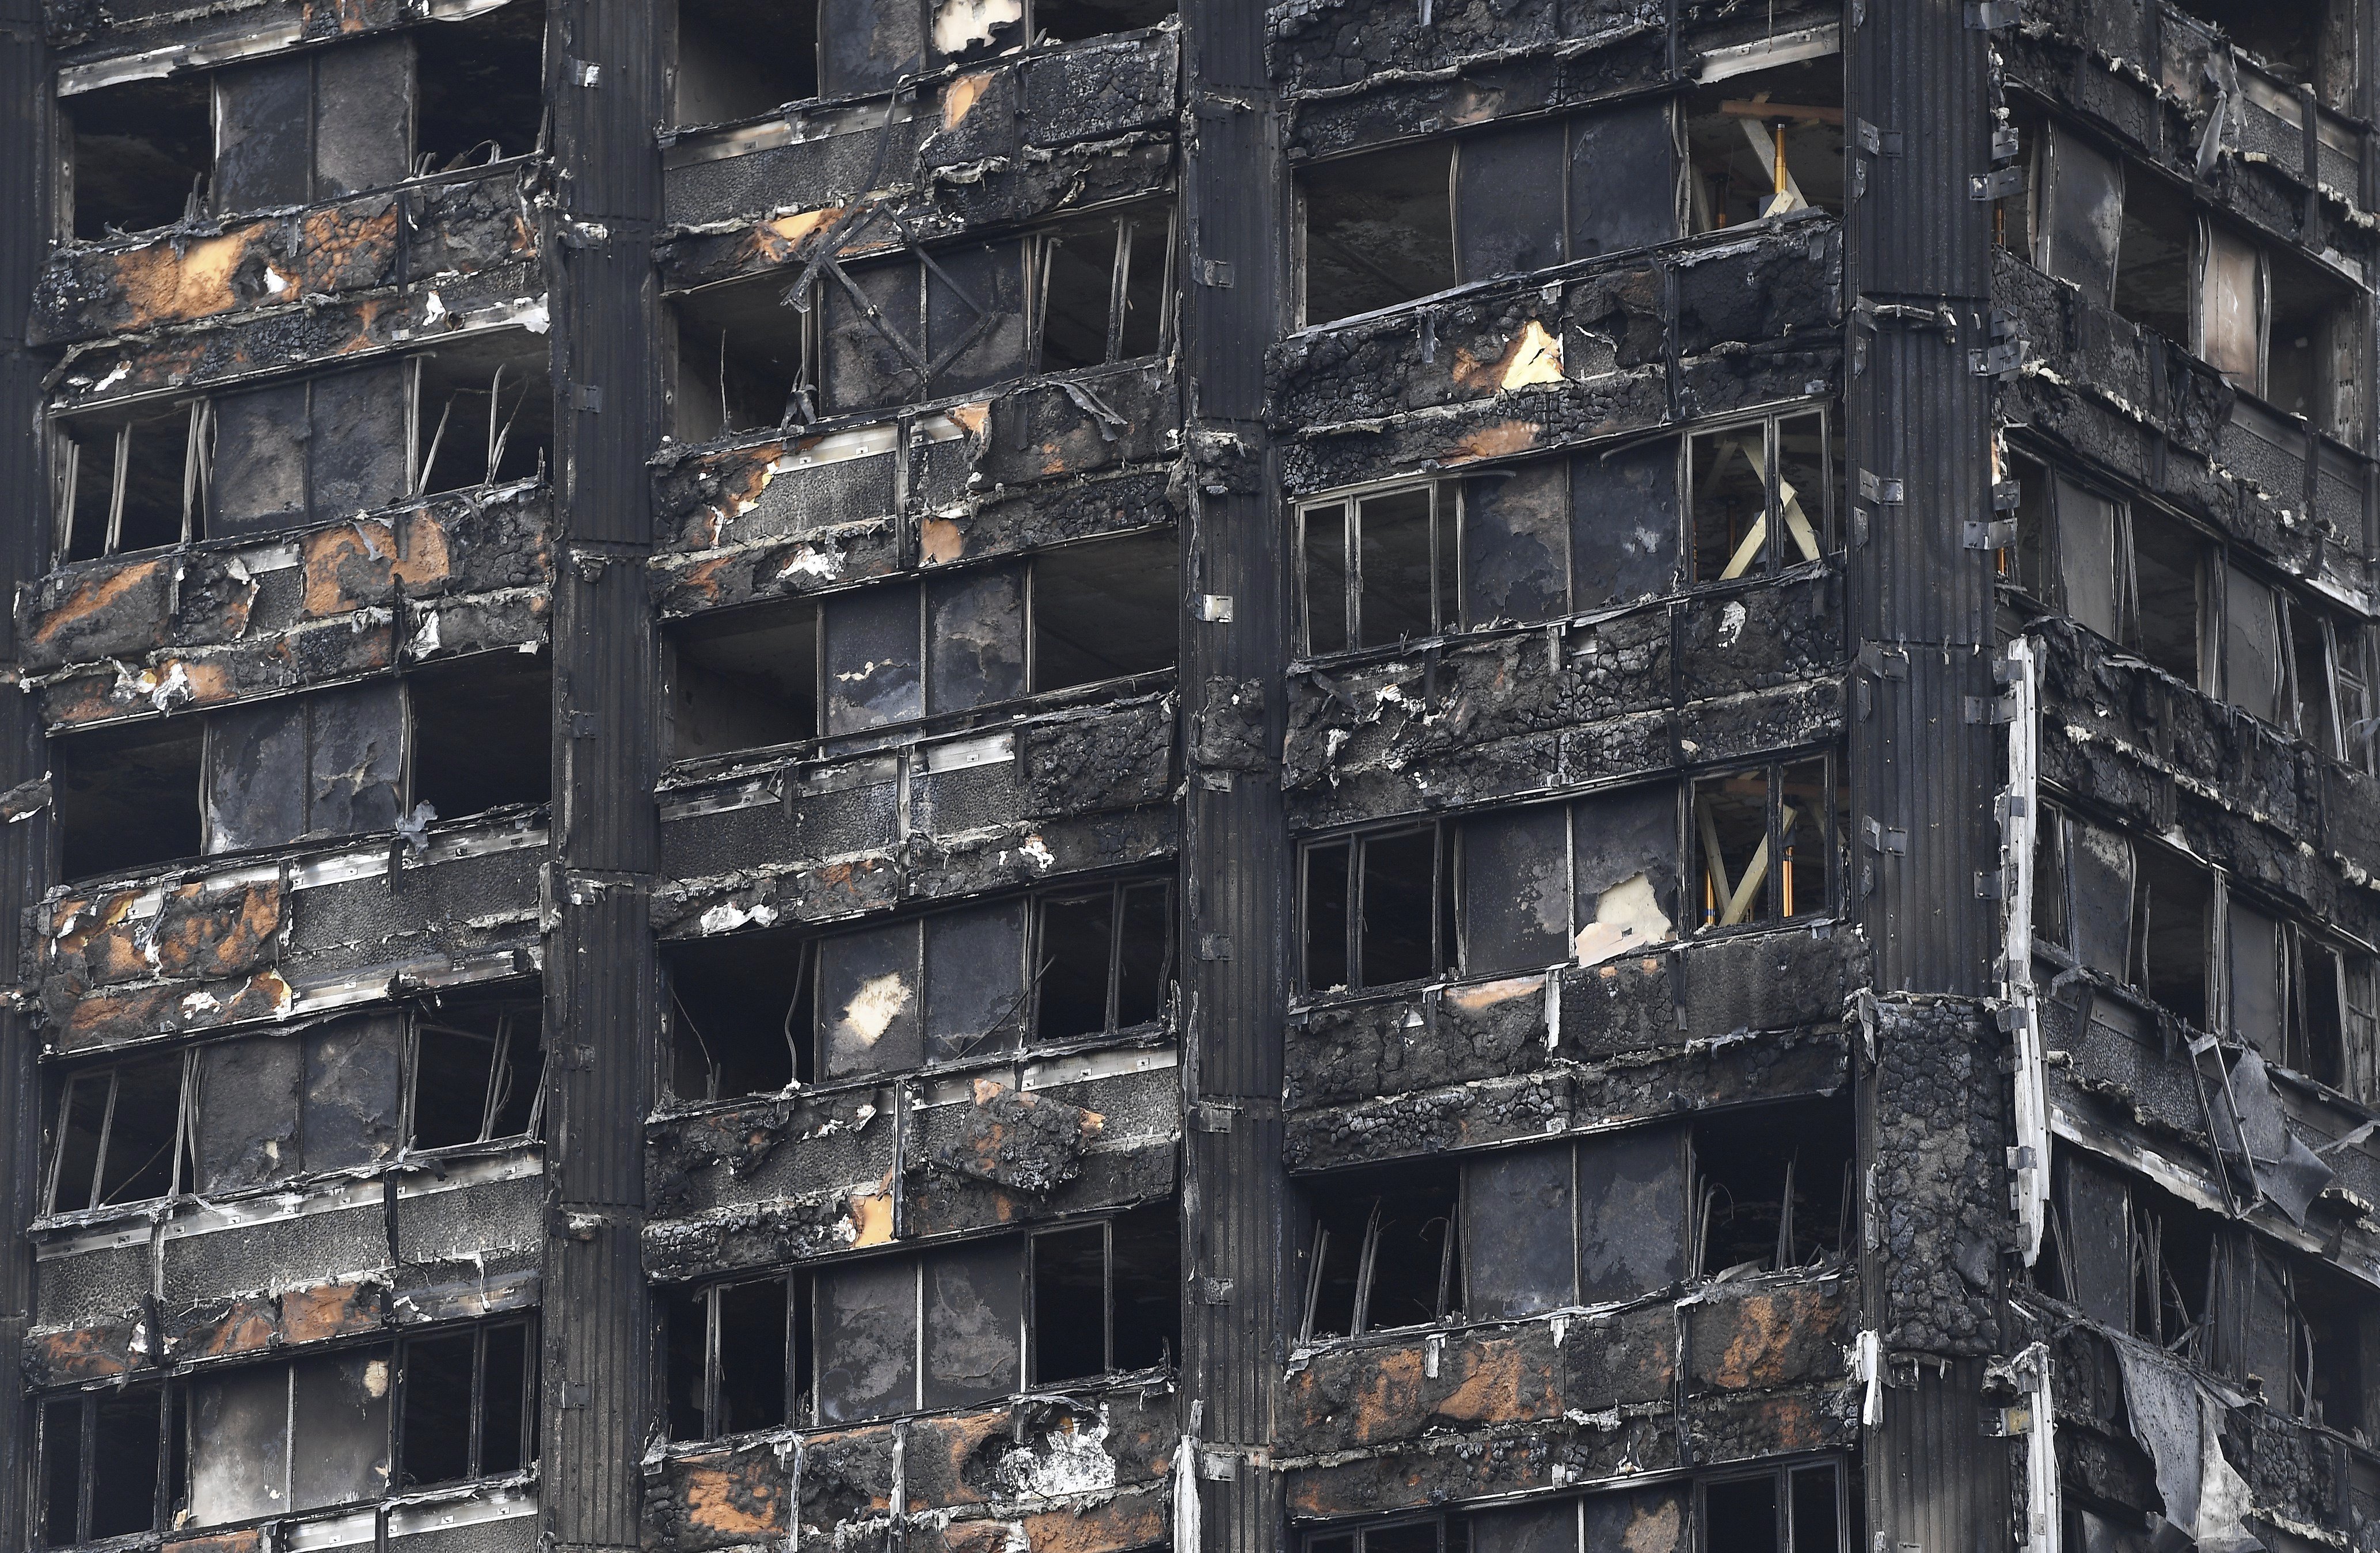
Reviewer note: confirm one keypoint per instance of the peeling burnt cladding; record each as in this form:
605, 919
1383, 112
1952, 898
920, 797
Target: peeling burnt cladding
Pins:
1327, 698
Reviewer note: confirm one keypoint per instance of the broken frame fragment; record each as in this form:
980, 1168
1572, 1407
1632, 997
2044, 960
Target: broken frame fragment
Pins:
1760, 494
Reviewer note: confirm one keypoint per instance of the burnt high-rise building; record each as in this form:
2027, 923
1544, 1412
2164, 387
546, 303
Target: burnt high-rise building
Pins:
1054, 776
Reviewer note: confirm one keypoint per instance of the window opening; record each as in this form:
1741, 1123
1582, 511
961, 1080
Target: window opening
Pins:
125, 486
1384, 1252
480, 734
738, 59
480, 94
1105, 1296
2172, 904
142, 154
2154, 285
1773, 1187
1105, 960
128, 797
120, 1137
1732, 501
107, 1469
478, 1066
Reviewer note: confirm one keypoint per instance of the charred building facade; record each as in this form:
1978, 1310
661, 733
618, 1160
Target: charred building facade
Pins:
1049, 776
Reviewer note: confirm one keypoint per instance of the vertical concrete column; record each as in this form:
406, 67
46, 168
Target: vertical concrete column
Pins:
1236, 858
1922, 752
604, 79
26, 155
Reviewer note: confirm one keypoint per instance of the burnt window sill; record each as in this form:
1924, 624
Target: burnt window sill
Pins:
216, 224
1156, 1379
417, 1172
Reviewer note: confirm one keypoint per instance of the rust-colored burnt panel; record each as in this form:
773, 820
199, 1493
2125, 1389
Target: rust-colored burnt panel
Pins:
331, 1310
1129, 1521
1365, 1396
1026, 1142
735, 1497
79, 1353
248, 1540
357, 565
106, 611
1733, 1428
222, 1327
1768, 1337
952, 1460
105, 1017
291, 662
209, 934
349, 246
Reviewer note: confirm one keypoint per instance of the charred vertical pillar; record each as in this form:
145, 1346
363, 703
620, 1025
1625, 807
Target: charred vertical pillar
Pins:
25, 192
1236, 859
604, 71
1918, 132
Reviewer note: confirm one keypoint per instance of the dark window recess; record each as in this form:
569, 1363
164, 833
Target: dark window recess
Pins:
1773, 1187
478, 1070
122, 485
1381, 570
743, 679
1378, 908
129, 797
2299, 999
1383, 1249
1763, 144
482, 415
1746, 522
1106, 1297
2173, 902
482, 733
2153, 285
2328, 1317
740, 58
844, 1342
1105, 610
1794, 1510
1767, 843
326, 763
480, 87
266, 1439
2168, 571
2084, 226
1104, 960
111, 1463
141, 152
1102, 286
743, 361
2132, 1258
1390, 226
315, 125
120, 1137
739, 1014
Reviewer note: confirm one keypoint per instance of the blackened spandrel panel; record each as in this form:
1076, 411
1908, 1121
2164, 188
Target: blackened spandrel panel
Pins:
358, 759
867, 46
1516, 545
975, 316
1626, 848
2095, 1243
1623, 524
263, 123
1532, 1528
970, 798
247, 1111
2255, 978
256, 780
1507, 218
350, 1110
975, 639
867, 1340
2251, 645
2083, 216
357, 452
868, 1000
1624, 179
866, 366
239, 1445
1632, 1213
1517, 1251
1515, 889
975, 1314
259, 461
975, 982
2101, 863
871, 660
338, 1428
363, 116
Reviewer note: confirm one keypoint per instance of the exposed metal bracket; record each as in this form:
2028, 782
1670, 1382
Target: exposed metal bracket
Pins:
1878, 143
1216, 272
2007, 495
1876, 488
1988, 536
1988, 885
1213, 1117
1215, 607
1214, 946
580, 73
1880, 662
1215, 1291
2006, 144
1996, 362
1884, 838
1988, 710
2000, 184
587, 396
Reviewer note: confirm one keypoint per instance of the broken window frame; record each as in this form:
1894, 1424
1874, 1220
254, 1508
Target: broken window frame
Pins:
510, 1016
181, 1172
172, 1475
1451, 1270
1119, 893
1443, 890
1788, 1477
799, 1378
1455, 1534
69, 466
1777, 901
1813, 540
1444, 540
1701, 1194
179, 1448
184, 1142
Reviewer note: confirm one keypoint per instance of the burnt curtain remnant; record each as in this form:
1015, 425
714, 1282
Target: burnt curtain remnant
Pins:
1070, 776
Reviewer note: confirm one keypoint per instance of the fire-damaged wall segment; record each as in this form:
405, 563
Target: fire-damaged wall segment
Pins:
1062, 776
